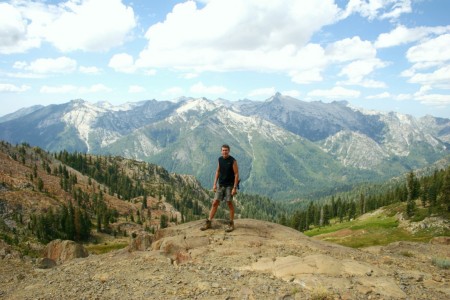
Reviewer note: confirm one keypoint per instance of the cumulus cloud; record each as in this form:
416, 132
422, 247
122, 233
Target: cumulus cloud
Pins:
350, 49
440, 78
403, 35
376, 9
87, 25
440, 100
225, 35
48, 65
89, 70
11, 88
357, 71
122, 62
335, 93
435, 49
431, 55
13, 31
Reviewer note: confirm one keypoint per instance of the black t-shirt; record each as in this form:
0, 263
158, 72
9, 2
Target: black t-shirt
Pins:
226, 172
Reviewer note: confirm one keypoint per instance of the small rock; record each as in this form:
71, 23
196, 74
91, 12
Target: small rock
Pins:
45, 263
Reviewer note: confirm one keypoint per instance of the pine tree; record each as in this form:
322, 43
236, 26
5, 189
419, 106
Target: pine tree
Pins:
446, 190
163, 221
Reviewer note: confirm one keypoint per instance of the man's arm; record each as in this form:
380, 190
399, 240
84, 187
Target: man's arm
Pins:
236, 177
216, 177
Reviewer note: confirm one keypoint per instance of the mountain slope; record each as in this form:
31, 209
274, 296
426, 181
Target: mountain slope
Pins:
270, 158
286, 148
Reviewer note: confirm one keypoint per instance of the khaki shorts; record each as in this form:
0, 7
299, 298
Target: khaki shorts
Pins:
223, 193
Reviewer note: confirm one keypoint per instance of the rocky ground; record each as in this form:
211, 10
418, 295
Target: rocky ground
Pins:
259, 260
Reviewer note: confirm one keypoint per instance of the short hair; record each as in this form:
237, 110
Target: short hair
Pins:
226, 146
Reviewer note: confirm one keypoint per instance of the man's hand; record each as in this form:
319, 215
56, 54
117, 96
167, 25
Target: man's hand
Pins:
233, 191
214, 188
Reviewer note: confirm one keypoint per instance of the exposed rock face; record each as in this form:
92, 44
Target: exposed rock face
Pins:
62, 251
258, 260
141, 242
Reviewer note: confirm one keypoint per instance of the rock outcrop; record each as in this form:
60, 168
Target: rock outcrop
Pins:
61, 251
258, 260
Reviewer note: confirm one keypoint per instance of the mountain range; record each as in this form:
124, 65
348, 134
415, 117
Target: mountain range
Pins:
286, 148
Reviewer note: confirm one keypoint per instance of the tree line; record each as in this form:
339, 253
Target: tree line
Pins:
433, 192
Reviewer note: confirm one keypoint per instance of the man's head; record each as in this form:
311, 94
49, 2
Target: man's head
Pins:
225, 150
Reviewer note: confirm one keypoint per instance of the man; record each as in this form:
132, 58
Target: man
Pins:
225, 186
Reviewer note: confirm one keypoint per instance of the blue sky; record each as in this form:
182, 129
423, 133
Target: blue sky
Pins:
384, 55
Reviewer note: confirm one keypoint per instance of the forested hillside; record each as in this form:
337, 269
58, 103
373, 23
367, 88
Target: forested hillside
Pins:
76, 196
424, 196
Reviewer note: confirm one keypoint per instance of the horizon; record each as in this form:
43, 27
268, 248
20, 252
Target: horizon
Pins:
175, 100
389, 56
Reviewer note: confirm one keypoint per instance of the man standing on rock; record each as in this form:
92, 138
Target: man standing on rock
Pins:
225, 186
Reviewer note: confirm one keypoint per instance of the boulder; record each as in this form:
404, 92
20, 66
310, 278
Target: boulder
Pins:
441, 240
61, 251
140, 242
45, 263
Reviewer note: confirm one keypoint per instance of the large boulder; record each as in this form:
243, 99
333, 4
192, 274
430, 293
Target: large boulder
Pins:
61, 251
140, 242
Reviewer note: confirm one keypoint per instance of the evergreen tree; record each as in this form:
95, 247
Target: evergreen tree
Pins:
163, 221
445, 193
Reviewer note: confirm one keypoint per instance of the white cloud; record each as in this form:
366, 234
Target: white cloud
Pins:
440, 78
403, 35
262, 92
350, 49
439, 100
200, 88
225, 35
89, 70
356, 72
335, 93
11, 88
122, 62
133, 89
378, 9
87, 25
387, 95
48, 65
434, 50
91, 25
68, 88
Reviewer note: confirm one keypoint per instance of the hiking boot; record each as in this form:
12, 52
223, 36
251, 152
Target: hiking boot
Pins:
207, 225
230, 227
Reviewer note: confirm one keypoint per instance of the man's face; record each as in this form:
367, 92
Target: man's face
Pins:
225, 152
